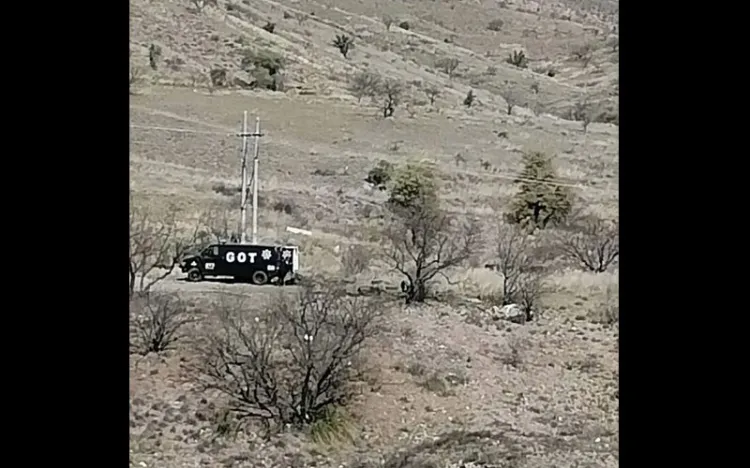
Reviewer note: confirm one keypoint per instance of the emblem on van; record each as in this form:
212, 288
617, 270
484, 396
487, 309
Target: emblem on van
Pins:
266, 254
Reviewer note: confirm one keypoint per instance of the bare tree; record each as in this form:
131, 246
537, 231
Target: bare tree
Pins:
364, 84
290, 363
391, 91
200, 5
158, 321
511, 98
422, 242
593, 244
529, 291
432, 93
448, 65
155, 249
514, 249
584, 111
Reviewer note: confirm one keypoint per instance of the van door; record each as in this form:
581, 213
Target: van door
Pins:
211, 261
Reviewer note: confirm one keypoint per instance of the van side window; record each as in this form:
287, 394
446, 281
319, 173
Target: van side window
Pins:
215, 251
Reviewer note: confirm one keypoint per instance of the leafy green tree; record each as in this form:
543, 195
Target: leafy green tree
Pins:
540, 201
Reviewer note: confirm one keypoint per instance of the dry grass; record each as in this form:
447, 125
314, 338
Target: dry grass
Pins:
447, 383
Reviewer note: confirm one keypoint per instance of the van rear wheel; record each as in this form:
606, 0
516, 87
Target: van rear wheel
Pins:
194, 275
259, 278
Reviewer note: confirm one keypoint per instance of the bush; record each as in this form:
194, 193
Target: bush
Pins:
495, 25
365, 84
412, 187
470, 98
157, 322
218, 77
404, 25
343, 43
355, 260
380, 175
270, 27
540, 201
593, 244
518, 59
448, 65
265, 67
293, 362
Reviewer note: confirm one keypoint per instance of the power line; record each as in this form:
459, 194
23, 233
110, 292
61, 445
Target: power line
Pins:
555, 182
181, 130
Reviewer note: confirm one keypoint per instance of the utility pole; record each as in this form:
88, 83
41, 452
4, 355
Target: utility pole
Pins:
243, 202
243, 197
257, 136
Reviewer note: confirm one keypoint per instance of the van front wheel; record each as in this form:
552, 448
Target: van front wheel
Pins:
194, 275
260, 277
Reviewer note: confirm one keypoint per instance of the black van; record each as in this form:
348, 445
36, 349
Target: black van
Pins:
258, 263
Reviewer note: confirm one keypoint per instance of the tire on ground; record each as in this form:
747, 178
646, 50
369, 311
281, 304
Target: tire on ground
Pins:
260, 277
194, 274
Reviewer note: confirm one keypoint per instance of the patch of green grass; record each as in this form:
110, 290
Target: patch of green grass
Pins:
334, 427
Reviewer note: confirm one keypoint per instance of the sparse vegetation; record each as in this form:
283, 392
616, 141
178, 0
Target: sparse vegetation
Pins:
584, 53
540, 200
511, 98
200, 5
496, 25
469, 99
155, 248
344, 44
269, 27
613, 42
218, 77
136, 76
154, 55
380, 175
158, 321
517, 58
365, 84
356, 219
448, 65
390, 92
421, 240
264, 67
432, 93
591, 243
514, 250
584, 111
291, 363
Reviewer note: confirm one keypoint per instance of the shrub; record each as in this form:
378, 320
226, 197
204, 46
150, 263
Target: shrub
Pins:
390, 91
157, 322
380, 175
448, 65
404, 25
593, 244
495, 25
343, 43
518, 59
154, 54
218, 77
292, 362
365, 84
270, 27
264, 66
432, 93
469, 99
